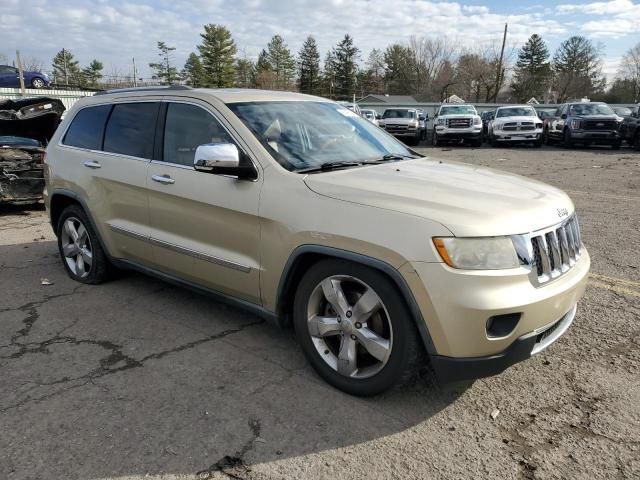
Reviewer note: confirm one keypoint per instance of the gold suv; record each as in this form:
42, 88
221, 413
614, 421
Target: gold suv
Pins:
302, 211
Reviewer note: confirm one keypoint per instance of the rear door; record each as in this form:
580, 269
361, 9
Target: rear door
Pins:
109, 148
205, 228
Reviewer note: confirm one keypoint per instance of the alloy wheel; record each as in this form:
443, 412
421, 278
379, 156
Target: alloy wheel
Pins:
76, 247
37, 83
349, 326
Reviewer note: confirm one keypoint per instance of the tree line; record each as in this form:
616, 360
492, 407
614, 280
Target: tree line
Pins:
429, 69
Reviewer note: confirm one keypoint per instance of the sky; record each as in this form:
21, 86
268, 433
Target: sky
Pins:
115, 31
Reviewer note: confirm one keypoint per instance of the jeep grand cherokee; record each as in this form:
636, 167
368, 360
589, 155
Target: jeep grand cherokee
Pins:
304, 212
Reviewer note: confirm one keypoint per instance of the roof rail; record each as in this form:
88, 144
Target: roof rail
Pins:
175, 86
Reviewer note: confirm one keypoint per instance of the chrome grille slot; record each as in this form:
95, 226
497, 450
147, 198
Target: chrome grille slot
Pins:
459, 122
555, 251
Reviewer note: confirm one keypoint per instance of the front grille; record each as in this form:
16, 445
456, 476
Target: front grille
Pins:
459, 122
555, 251
600, 125
510, 126
396, 128
527, 126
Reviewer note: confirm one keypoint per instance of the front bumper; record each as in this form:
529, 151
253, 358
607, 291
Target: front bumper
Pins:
457, 304
402, 132
517, 136
453, 369
596, 136
445, 133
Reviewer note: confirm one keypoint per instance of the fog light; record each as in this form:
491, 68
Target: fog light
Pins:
502, 325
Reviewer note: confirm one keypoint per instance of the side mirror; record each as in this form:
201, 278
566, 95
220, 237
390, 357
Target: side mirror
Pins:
222, 159
563, 116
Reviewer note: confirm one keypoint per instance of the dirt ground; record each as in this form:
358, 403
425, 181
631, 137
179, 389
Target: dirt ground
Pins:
139, 379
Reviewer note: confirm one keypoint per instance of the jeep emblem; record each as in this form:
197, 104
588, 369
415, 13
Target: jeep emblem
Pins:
562, 212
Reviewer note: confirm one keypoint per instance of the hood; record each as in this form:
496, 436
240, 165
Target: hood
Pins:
467, 199
522, 118
597, 117
35, 118
458, 115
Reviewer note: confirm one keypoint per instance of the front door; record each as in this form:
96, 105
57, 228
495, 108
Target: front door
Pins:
204, 228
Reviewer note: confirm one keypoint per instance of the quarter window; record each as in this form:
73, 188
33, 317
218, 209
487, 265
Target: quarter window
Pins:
87, 127
131, 129
187, 127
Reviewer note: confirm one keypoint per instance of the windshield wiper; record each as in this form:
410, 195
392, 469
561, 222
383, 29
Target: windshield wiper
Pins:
329, 166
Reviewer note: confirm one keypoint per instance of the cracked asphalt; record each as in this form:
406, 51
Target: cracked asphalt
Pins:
140, 379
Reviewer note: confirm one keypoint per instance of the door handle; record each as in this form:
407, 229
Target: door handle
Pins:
92, 164
164, 179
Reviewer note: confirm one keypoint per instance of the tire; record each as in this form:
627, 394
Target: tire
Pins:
636, 140
493, 142
434, 139
37, 82
537, 144
84, 252
616, 145
545, 137
342, 328
477, 143
567, 142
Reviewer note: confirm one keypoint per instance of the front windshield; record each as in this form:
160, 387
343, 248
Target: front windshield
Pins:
301, 135
457, 109
590, 109
398, 113
516, 112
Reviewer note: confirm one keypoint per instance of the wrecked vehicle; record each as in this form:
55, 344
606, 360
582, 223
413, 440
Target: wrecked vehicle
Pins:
26, 125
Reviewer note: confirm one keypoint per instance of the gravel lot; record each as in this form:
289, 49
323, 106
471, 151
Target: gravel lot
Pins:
139, 379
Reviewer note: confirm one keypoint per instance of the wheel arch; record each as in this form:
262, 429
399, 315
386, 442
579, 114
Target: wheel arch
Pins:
306, 255
61, 199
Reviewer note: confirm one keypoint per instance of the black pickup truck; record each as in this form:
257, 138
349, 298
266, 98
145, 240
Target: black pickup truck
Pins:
583, 123
630, 129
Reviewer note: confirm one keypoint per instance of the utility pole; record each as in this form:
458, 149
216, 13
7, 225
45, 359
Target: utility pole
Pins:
135, 74
499, 72
66, 72
20, 72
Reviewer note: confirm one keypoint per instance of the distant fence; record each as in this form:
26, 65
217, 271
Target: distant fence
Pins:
68, 97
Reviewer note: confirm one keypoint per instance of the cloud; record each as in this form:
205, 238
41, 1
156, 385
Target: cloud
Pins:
114, 31
599, 8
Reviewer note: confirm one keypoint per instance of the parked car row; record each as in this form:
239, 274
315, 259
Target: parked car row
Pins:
574, 123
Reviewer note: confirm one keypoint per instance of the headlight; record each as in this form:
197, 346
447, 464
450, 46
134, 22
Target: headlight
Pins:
575, 124
477, 121
498, 126
441, 121
413, 124
491, 253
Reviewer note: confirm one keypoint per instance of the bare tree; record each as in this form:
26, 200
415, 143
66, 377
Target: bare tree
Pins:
432, 58
4, 59
33, 64
630, 70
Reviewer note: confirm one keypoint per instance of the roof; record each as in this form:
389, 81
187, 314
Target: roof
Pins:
226, 95
392, 99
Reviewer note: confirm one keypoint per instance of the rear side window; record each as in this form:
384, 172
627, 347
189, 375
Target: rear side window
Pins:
187, 127
87, 127
131, 129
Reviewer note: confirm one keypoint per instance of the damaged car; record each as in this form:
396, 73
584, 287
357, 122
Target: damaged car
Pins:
26, 126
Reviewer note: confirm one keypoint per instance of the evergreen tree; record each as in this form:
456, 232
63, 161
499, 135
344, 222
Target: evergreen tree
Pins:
577, 68
532, 71
282, 63
309, 67
217, 53
346, 67
192, 71
163, 70
65, 68
329, 75
92, 74
265, 78
245, 73
398, 69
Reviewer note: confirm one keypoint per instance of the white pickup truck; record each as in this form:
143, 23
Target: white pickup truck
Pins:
515, 124
457, 123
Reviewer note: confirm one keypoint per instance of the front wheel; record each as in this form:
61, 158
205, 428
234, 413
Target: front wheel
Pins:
616, 145
636, 140
567, 143
37, 83
434, 139
354, 328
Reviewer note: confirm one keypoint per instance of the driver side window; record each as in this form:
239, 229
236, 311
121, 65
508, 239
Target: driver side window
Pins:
186, 127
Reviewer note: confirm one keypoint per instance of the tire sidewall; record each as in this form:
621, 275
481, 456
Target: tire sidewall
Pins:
403, 328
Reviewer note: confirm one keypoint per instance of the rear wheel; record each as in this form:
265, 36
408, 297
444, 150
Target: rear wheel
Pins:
354, 328
79, 247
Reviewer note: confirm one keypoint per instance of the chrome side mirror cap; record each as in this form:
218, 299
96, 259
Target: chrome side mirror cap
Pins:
216, 155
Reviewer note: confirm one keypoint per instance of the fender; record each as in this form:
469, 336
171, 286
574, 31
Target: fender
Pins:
284, 287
